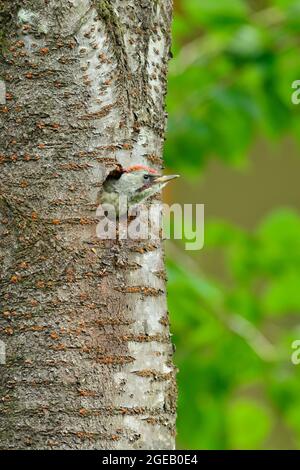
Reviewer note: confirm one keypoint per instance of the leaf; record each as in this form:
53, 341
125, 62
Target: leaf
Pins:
249, 424
282, 295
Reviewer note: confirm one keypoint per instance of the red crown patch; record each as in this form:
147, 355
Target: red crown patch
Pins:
140, 167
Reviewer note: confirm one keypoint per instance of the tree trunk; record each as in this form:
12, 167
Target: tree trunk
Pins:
84, 321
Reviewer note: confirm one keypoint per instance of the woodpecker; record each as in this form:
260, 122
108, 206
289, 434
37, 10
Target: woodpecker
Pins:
137, 183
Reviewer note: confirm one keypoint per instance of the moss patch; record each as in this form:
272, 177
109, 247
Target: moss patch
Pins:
8, 15
106, 12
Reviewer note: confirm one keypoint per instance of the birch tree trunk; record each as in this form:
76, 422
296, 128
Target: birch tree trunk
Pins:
84, 321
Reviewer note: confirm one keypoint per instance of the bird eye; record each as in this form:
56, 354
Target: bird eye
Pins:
146, 177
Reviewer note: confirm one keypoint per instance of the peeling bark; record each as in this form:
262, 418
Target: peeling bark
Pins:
89, 358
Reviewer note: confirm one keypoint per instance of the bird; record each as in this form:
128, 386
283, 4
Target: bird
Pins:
133, 185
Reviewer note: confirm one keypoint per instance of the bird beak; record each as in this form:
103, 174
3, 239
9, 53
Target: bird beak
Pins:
165, 179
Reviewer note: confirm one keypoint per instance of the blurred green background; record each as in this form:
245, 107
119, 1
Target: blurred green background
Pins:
233, 136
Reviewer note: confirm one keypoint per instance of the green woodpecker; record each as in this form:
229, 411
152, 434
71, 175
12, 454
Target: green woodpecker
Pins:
134, 185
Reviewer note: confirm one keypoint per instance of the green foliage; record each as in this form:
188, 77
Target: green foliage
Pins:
233, 69
220, 327
230, 82
248, 424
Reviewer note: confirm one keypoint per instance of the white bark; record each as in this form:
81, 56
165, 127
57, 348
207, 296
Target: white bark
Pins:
89, 360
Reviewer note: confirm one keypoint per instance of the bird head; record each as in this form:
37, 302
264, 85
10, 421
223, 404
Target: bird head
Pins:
138, 182
139, 178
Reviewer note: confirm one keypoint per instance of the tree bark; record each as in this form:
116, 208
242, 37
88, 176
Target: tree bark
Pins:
84, 321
